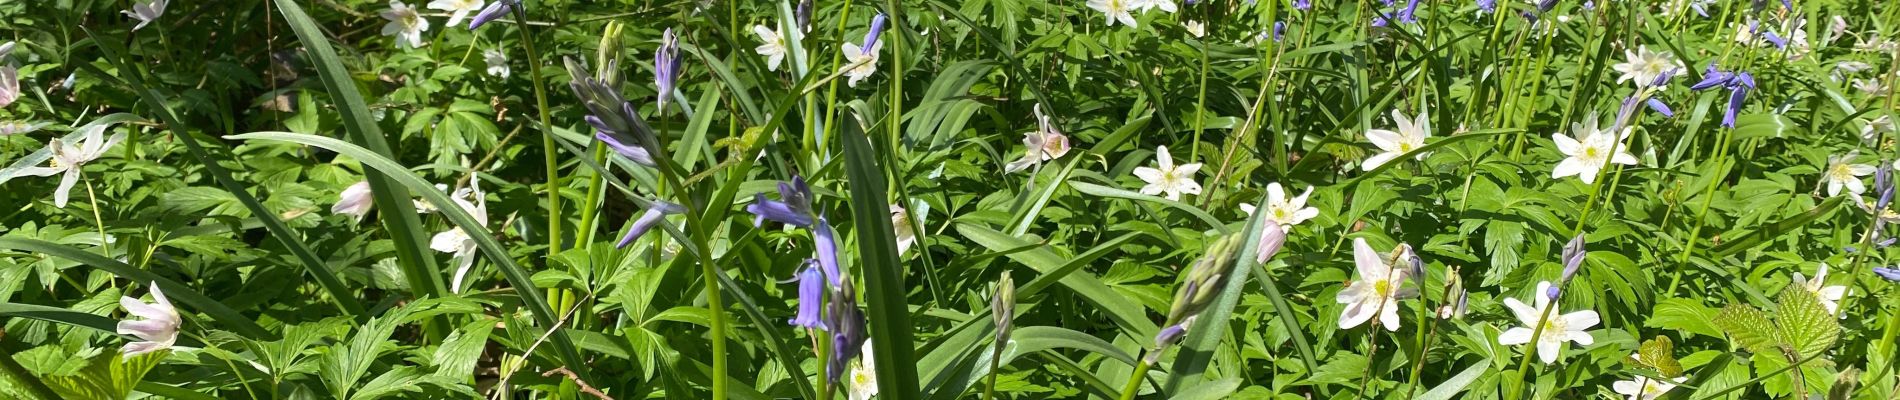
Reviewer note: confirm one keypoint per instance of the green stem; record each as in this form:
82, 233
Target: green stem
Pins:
595, 188
551, 152
1134, 380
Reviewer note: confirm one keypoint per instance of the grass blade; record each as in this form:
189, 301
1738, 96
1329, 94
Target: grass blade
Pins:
183, 294
883, 273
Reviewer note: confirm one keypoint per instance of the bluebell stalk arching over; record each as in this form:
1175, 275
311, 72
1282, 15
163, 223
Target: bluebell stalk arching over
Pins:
655, 213
811, 294
793, 208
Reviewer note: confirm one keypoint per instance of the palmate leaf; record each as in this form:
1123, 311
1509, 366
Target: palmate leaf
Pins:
1805, 325
109, 377
1749, 328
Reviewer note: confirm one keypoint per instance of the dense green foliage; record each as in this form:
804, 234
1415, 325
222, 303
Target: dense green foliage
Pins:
1287, 199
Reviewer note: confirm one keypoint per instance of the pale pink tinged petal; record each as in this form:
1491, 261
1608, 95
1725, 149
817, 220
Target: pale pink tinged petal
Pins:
66, 183
1352, 293
1384, 139
1149, 175
1524, 313
1404, 123
1568, 167
1367, 262
1581, 320
1389, 316
1377, 160
1018, 165
1275, 194
1547, 350
1515, 336
141, 309
137, 348
1861, 169
1623, 158
1354, 315
1565, 144
158, 296
150, 329
1163, 158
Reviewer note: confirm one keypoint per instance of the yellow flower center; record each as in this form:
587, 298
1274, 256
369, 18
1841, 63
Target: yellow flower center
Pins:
1382, 287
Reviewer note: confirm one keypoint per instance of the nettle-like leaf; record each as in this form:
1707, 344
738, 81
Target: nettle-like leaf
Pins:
110, 376
1659, 354
1749, 328
1806, 326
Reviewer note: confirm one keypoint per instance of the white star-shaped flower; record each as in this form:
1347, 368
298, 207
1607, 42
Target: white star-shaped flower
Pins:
1284, 210
405, 24
1376, 292
1116, 11
1590, 151
497, 63
1169, 178
1644, 65
1643, 388
458, 9
863, 378
1841, 173
1830, 296
70, 159
1558, 329
457, 241
1410, 136
158, 330
771, 45
860, 64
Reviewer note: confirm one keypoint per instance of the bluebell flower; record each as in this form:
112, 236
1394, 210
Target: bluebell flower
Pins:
1409, 14
1699, 8
1589, 5
803, 15
1546, 5
615, 122
847, 330
1884, 186
1738, 92
656, 212
1660, 108
1172, 334
1891, 274
495, 10
1712, 77
826, 242
811, 292
1302, 5
1379, 20
793, 208
1488, 5
1279, 30
1776, 39
666, 66
877, 29
1528, 17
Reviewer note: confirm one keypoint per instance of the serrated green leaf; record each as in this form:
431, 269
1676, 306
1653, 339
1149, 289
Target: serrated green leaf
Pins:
1750, 329
1806, 326
1659, 354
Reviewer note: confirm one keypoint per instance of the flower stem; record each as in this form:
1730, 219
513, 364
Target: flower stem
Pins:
551, 153
1134, 380
97, 221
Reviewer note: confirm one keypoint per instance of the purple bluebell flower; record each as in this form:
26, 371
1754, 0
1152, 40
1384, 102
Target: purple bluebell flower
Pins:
1172, 334
1663, 78
1891, 274
1738, 92
615, 122
1379, 20
1712, 77
1302, 5
1883, 243
877, 29
1776, 39
1660, 108
811, 292
1589, 5
1279, 30
656, 212
1699, 9
633, 152
803, 15
847, 330
1528, 17
827, 250
666, 66
495, 10
1409, 14
1488, 5
1387, 3
793, 208
1545, 5
1884, 186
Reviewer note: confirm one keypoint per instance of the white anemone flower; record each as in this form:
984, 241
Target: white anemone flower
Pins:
497, 63
1643, 388
457, 241
1644, 66
1830, 296
1169, 178
772, 46
1284, 210
1044, 144
1195, 28
860, 64
1841, 174
1590, 151
146, 12
70, 159
9, 85
1558, 329
1410, 136
863, 378
1163, 5
355, 201
405, 24
159, 328
1116, 10
1377, 291
458, 9
906, 234
1875, 127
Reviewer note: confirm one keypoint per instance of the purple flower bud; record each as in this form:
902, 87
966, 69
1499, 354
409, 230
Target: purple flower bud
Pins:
1883, 243
811, 292
1713, 77
1302, 5
1889, 273
494, 11
1546, 5
1170, 335
1589, 5
637, 154
1849, 249
877, 29
1528, 17
794, 209
1279, 30
1379, 20
666, 65
656, 212
1573, 258
1409, 13
827, 250
1738, 91
847, 330
1553, 292
1272, 238
1776, 39
1663, 78
1657, 104
1788, 4
803, 15
1699, 10
1883, 184
1488, 5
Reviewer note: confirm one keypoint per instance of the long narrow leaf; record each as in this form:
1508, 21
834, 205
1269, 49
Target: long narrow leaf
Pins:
177, 291
883, 273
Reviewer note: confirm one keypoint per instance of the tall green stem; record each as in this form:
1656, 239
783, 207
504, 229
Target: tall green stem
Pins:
1134, 380
552, 153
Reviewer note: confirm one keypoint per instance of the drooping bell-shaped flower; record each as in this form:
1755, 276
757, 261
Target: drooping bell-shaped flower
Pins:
666, 66
616, 124
826, 242
811, 293
792, 208
496, 10
656, 212
847, 330
159, 328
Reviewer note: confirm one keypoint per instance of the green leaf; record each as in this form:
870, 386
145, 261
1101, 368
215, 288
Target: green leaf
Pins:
1684, 315
1451, 387
176, 291
457, 356
1659, 354
1750, 329
883, 272
1806, 326
109, 377
1104, 191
